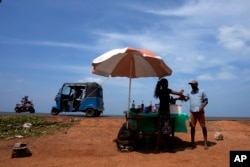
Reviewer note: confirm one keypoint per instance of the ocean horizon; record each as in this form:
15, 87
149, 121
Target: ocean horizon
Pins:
80, 114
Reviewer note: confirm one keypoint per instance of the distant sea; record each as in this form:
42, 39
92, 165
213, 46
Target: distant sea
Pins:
228, 118
207, 118
80, 114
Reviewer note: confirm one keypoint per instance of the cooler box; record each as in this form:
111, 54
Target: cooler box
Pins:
175, 109
147, 122
143, 121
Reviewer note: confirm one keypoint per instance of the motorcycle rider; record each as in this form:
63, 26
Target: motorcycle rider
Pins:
24, 100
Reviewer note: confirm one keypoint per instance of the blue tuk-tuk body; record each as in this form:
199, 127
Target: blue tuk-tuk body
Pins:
84, 97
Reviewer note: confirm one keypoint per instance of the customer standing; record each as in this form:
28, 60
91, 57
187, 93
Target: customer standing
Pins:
163, 93
198, 100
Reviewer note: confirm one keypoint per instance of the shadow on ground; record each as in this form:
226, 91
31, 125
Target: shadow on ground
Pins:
172, 145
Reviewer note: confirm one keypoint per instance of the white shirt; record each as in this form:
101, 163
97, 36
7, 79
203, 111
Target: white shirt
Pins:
196, 99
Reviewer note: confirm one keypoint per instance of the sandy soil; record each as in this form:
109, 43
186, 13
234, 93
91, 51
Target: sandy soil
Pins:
90, 143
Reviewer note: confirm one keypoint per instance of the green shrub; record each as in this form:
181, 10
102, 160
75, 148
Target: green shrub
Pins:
12, 126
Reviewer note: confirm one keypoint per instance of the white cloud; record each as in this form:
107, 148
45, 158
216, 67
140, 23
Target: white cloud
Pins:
85, 69
234, 37
228, 72
246, 73
205, 77
59, 44
224, 75
11, 41
145, 39
209, 11
91, 79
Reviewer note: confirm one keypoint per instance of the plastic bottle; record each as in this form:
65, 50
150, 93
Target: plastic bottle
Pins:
133, 104
142, 106
150, 107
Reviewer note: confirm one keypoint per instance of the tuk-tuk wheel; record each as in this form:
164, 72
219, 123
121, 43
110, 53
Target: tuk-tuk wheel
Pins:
97, 113
90, 112
54, 111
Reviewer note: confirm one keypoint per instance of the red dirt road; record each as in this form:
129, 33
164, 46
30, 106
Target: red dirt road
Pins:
90, 143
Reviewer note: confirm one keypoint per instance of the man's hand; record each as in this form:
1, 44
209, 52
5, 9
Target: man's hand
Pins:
203, 105
181, 97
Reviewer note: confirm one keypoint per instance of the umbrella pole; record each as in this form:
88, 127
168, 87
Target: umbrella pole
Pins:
129, 90
127, 114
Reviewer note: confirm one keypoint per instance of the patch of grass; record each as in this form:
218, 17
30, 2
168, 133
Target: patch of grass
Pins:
12, 126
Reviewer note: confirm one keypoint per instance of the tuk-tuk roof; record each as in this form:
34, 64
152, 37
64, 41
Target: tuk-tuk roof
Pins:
88, 84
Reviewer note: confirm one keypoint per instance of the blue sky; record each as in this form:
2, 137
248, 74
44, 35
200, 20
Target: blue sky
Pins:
46, 43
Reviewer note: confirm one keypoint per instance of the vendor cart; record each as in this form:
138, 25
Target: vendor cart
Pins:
140, 129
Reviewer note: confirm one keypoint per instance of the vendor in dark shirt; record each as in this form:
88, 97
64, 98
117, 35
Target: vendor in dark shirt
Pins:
163, 93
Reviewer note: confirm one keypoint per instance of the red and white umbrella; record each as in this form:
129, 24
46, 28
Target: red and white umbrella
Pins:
131, 63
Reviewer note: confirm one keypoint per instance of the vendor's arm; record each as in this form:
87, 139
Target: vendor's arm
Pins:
180, 93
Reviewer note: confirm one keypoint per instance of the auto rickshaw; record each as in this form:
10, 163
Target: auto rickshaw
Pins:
84, 97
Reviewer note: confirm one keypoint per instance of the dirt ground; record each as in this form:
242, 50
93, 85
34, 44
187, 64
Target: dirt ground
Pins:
90, 143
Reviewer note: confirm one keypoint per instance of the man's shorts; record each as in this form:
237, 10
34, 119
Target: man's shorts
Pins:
197, 116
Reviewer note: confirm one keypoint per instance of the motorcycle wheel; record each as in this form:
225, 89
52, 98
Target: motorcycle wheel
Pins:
32, 110
17, 110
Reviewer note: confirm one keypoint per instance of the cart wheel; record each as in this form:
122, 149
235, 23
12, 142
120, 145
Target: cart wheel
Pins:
90, 112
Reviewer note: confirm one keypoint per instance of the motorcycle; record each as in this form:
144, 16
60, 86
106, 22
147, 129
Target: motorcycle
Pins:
25, 106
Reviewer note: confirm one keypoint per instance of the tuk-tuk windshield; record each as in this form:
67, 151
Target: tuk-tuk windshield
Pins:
66, 90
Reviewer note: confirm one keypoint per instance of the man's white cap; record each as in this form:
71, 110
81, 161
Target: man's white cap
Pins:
193, 82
